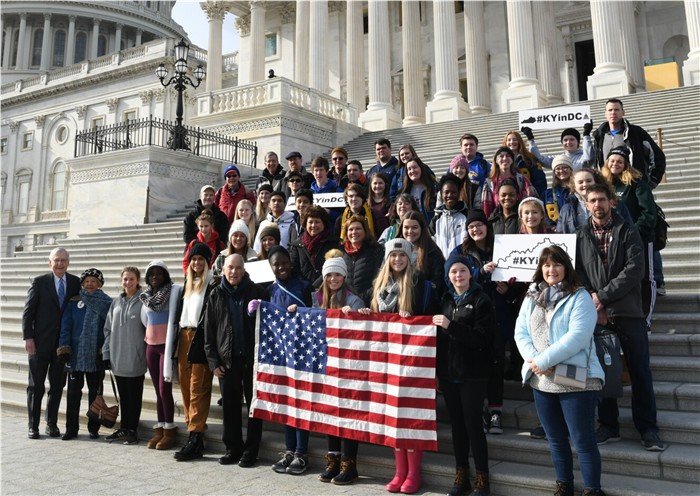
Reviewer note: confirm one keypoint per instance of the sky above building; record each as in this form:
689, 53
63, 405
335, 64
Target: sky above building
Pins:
190, 16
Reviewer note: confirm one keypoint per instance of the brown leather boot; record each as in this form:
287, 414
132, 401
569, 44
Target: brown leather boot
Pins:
157, 436
168, 440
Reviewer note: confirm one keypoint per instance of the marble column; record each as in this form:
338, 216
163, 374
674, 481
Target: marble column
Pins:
411, 44
22, 43
301, 43
629, 43
380, 113
355, 56
118, 37
215, 15
95, 38
7, 44
609, 77
524, 90
70, 42
256, 66
139, 33
46, 44
318, 45
478, 92
691, 67
447, 103
546, 50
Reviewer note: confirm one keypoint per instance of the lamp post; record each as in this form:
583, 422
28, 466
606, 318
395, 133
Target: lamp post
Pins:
179, 140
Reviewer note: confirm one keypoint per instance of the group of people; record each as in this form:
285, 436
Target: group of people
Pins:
406, 243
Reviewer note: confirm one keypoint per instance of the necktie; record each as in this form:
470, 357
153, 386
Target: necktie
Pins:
61, 292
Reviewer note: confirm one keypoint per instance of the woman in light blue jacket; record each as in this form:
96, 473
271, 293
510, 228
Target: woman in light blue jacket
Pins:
555, 326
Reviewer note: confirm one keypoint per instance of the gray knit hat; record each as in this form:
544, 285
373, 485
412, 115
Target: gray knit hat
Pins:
398, 244
240, 226
335, 265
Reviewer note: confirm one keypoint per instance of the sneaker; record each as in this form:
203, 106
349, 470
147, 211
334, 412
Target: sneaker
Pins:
496, 427
299, 465
538, 432
652, 442
281, 466
486, 420
131, 437
605, 435
661, 290
116, 435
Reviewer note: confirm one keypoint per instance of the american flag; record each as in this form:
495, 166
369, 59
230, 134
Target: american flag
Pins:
364, 377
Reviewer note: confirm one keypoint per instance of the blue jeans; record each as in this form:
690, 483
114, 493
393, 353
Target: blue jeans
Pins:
658, 269
572, 415
635, 345
296, 440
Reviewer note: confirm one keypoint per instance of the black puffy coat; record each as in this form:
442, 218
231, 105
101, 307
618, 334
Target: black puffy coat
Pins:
190, 229
309, 266
363, 267
465, 349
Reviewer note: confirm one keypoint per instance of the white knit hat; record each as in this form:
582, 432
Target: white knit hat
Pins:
335, 265
560, 160
530, 199
398, 244
239, 226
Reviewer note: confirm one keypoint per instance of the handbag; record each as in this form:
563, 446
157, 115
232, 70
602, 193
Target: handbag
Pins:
607, 347
570, 375
100, 411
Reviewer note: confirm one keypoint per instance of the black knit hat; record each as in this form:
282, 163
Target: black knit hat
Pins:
199, 249
277, 249
476, 215
570, 131
620, 150
92, 273
265, 187
504, 149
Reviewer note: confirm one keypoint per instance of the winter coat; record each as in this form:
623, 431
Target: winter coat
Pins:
309, 265
618, 288
502, 224
363, 267
580, 158
435, 270
74, 329
574, 214
173, 329
532, 172
645, 154
450, 227
486, 198
465, 347
227, 201
276, 180
639, 200
190, 229
285, 222
554, 199
300, 288
124, 334
570, 336
479, 169
216, 324
351, 300
390, 169
401, 177
218, 267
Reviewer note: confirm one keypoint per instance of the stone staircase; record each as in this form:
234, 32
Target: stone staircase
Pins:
519, 465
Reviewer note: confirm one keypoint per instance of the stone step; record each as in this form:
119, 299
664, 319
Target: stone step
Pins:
673, 322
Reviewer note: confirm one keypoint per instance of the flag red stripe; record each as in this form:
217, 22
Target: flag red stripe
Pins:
381, 378
382, 337
381, 357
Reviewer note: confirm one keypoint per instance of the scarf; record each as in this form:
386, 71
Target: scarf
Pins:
388, 298
547, 296
96, 307
311, 243
159, 300
350, 249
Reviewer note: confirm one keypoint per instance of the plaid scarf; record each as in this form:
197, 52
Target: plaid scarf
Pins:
547, 296
159, 300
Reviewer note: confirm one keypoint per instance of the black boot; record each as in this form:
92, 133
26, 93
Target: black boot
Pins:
564, 489
348, 472
194, 448
332, 468
461, 486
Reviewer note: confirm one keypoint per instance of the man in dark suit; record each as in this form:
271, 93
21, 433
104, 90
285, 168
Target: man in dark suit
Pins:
41, 326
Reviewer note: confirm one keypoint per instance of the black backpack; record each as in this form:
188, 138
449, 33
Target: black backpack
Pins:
661, 230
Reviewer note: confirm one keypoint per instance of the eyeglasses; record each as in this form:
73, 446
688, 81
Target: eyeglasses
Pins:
475, 225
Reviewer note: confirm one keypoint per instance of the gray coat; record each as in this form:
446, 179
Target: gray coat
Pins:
124, 345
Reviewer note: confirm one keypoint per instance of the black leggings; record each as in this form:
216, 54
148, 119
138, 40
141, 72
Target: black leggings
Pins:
464, 403
349, 446
130, 400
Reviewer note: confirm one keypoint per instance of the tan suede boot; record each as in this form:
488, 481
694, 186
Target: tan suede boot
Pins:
157, 436
168, 440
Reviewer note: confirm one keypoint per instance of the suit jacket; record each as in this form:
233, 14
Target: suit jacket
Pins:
41, 319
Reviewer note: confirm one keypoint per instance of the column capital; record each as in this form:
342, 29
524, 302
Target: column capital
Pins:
72, 18
335, 6
23, 16
243, 25
216, 11
288, 12
47, 17
119, 25
257, 4
39, 121
96, 21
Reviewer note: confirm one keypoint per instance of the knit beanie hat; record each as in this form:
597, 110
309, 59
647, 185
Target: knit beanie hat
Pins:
451, 260
231, 168
270, 229
459, 160
504, 149
92, 273
200, 249
265, 187
619, 150
277, 249
562, 160
335, 265
398, 244
476, 215
239, 226
570, 131
531, 199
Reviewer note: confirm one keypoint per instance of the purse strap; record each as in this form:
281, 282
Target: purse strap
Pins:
114, 388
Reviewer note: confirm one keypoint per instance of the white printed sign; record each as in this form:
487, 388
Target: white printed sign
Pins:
325, 200
556, 117
259, 271
517, 255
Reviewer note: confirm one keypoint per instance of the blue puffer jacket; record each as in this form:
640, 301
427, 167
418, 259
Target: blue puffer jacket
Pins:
570, 336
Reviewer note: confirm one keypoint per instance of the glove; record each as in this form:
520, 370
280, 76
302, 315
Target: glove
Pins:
106, 365
253, 306
587, 128
527, 132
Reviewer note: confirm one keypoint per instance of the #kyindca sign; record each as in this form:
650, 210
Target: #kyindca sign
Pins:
517, 255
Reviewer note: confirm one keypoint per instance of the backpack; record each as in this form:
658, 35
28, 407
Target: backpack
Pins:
661, 230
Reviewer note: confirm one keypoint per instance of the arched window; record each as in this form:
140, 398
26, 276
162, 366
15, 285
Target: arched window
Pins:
58, 187
80, 47
59, 48
36, 48
101, 45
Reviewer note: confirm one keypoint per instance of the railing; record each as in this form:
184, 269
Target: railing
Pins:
151, 131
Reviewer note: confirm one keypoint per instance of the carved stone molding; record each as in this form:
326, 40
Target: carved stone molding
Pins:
243, 25
288, 12
146, 96
336, 7
140, 169
316, 131
39, 121
214, 10
14, 126
112, 104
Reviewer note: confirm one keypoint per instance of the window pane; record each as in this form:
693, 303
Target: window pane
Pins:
59, 187
59, 48
23, 203
101, 46
80, 47
270, 45
36, 53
